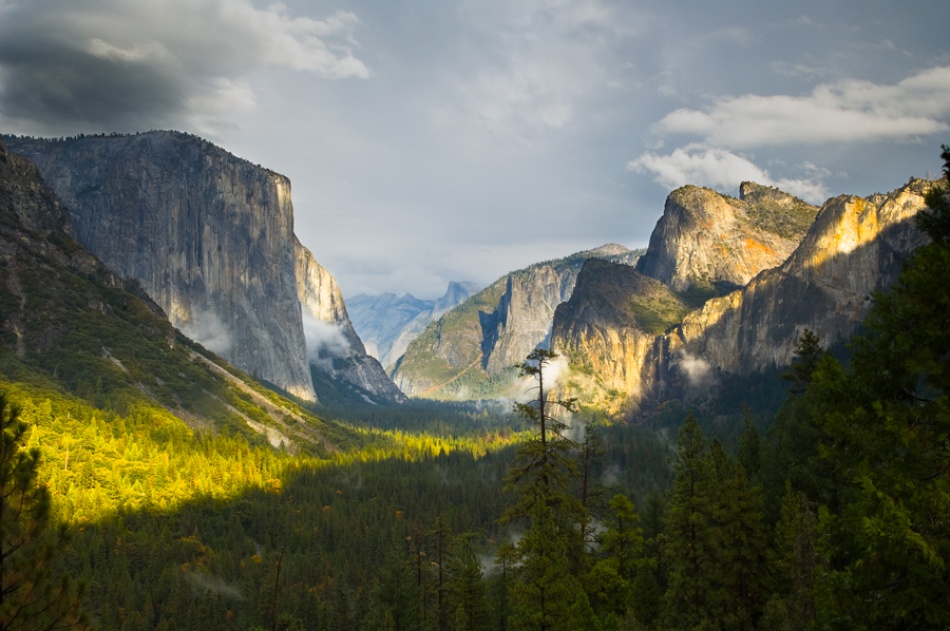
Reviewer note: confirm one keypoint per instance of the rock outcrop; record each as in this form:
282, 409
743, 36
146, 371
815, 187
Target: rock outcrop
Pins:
853, 248
210, 239
67, 319
333, 346
472, 352
208, 236
706, 240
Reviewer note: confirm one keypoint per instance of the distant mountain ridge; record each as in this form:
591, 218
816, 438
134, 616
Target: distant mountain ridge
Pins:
472, 350
388, 322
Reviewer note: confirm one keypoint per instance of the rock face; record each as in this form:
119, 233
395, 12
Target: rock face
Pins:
853, 248
472, 351
705, 239
332, 344
610, 330
208, 236
388, 322
210, 239
68, 319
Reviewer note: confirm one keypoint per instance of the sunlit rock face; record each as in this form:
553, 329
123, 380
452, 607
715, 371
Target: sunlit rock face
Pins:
208, 236
608, 331
853, 248
333, 346
705, 238
472, 352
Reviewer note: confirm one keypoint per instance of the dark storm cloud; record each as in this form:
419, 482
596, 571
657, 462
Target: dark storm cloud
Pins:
109, 64
60, 85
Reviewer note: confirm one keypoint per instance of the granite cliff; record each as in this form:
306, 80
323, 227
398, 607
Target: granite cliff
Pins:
708, 242
333, 347
68, 324
853, 248
473, 350
208, 236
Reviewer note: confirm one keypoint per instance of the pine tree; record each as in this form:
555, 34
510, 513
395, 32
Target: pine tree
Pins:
688, 532
890, 558
546, 591
32, 597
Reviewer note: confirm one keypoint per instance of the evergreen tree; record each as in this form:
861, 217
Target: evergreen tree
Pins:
32, 597
794, 564
888, 542
546, 593
688, 532
467, 587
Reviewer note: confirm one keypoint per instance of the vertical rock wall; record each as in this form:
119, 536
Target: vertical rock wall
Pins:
209, 237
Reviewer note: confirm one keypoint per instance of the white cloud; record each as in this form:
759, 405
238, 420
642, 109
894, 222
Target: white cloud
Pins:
324, 339
206, 328
544, 60
698, 371
846, 111
724, 170
323, 46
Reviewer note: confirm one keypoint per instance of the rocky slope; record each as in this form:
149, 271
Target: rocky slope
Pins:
472, 351
853, 248
388, 322
208, 236
333, 347
708, 242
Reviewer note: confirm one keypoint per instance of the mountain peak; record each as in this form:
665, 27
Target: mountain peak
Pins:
705, 238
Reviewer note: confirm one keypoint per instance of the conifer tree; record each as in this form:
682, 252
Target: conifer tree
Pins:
546, 594
32, 597
688, 532
890, 558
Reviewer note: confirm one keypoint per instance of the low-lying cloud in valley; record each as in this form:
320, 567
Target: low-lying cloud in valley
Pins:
325, 340
206, 328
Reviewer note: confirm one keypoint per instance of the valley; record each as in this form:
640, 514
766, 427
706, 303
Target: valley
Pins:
742, 426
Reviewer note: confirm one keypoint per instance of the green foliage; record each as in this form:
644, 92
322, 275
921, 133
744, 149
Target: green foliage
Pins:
32, 596
788, 220
872, 440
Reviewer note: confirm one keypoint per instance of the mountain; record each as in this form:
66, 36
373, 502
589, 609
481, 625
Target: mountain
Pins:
620, 361
73, 330
472, 351
208, 236
388, 322
707, 243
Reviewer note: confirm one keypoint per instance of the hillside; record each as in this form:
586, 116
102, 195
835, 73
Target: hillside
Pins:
472, 351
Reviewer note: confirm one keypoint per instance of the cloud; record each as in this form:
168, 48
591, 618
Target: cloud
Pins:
203, 584
543, 61
842, 112
324, 339
698, 371
724, 170
115, 65
206, 328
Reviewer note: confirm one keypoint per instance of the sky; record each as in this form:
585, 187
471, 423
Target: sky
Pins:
437, 140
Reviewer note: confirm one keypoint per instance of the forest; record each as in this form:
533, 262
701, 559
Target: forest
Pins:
829, 511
